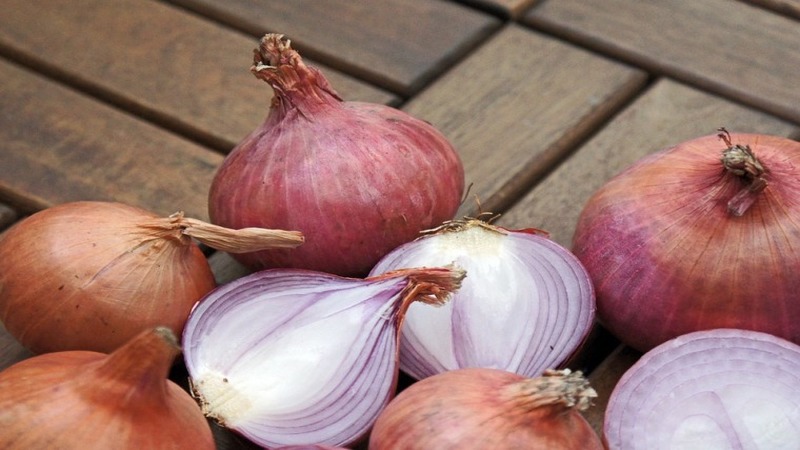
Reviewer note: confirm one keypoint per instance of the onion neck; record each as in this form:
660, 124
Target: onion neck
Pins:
138, 370
555, 389
295, 85
741, 162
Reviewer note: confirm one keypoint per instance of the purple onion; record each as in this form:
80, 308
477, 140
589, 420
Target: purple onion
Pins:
721, 388
526, 305
296, 357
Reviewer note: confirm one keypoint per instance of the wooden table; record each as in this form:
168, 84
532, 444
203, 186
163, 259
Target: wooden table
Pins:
138, 101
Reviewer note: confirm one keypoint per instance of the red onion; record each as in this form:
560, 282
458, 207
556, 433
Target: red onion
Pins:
526, 306
489, 409
701, 235
92, 275
721, 388
295, 357
357, 179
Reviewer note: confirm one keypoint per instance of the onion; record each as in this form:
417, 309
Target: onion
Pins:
82, 399
358, 179
698, 236
92, 275
295, 357
526, 306
489, 409
721, 388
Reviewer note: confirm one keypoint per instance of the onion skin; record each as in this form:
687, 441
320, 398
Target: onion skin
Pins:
480, 408
668, 257
82, 400
91, 276
357, 179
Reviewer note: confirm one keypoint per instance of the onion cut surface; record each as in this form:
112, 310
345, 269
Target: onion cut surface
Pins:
295, 357
714, 389
526, 305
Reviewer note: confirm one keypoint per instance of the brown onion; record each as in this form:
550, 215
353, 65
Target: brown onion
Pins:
489, 409
91, 275
81, 400
358, 179
702, 235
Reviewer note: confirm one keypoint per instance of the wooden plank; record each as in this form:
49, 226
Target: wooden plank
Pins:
730, 48
155, 60
398, 44
517, 105
60, 146
604, 379
508, 9
790, 8
665, 115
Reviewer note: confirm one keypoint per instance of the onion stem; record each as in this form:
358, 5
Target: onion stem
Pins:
740, 160
555, 387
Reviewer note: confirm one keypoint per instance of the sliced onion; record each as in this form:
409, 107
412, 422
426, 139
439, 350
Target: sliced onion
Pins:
721, 388
295, 357
526, 306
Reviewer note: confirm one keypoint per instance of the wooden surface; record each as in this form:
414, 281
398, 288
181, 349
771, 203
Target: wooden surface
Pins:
139, 100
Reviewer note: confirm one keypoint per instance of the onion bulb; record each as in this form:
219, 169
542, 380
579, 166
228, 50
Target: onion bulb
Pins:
526, 306
92, 275
721, 388
702, 235
357, 179
296, 357
88, 400
489, 409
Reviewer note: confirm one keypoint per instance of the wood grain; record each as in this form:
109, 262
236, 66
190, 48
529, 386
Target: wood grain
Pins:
507, 9
398, 44
790, 8
515, 107
60, 146
155, 60
740, 51
666, 114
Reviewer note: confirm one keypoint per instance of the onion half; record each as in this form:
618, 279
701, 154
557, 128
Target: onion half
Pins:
526, 306
295, 357
702, 235
721, 388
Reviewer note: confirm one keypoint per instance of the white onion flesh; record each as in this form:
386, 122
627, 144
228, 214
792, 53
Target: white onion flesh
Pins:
526, 305
292, 357
715, 389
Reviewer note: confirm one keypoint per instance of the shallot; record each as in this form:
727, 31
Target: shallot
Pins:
489, 409
296, 357
78, 400
357, 179
527, 305
698, 236
91, 275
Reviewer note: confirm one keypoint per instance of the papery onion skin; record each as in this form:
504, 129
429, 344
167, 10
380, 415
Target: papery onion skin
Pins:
296, 357
667, 257
483, 409
526, 306
358, 179
720, 388
91, 276
88, 400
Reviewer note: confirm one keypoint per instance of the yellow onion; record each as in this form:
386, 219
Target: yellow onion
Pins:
481, 408
89, 400
91, 275
702, 235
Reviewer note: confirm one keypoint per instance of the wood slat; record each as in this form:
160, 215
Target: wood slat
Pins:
790, 8
604, 379
156, 60
398, 44
508, 9
740, 51
518, 104
59, 146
